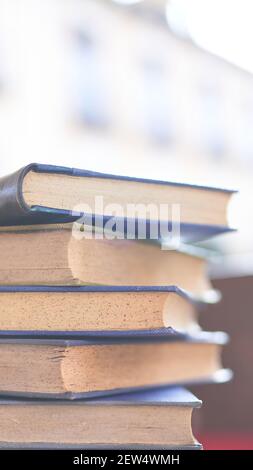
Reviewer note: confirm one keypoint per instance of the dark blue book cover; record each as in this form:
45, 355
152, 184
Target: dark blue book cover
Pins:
147, 337
175, 397
14, 211
198, 302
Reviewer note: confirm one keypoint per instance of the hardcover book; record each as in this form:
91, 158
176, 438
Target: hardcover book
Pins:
58, 257
157, 419
102, 364
45, 310
47, 194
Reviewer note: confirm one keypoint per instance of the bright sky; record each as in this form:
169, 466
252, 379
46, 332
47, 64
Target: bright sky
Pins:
223, 27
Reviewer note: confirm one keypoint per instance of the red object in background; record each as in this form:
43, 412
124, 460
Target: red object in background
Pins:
226, 441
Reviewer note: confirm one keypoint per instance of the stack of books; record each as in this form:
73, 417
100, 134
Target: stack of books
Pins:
99, 330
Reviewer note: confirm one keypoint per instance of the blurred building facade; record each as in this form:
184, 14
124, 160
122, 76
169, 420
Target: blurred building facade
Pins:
92, 83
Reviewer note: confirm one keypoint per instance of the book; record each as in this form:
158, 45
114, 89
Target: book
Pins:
157, 419
77, 309
59, 367
51, 194
57, 257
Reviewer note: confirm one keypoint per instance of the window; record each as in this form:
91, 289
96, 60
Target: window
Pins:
89, 84
244, 131
155, 103
211, 127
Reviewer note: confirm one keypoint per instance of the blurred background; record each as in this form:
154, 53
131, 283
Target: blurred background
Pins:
152, 88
